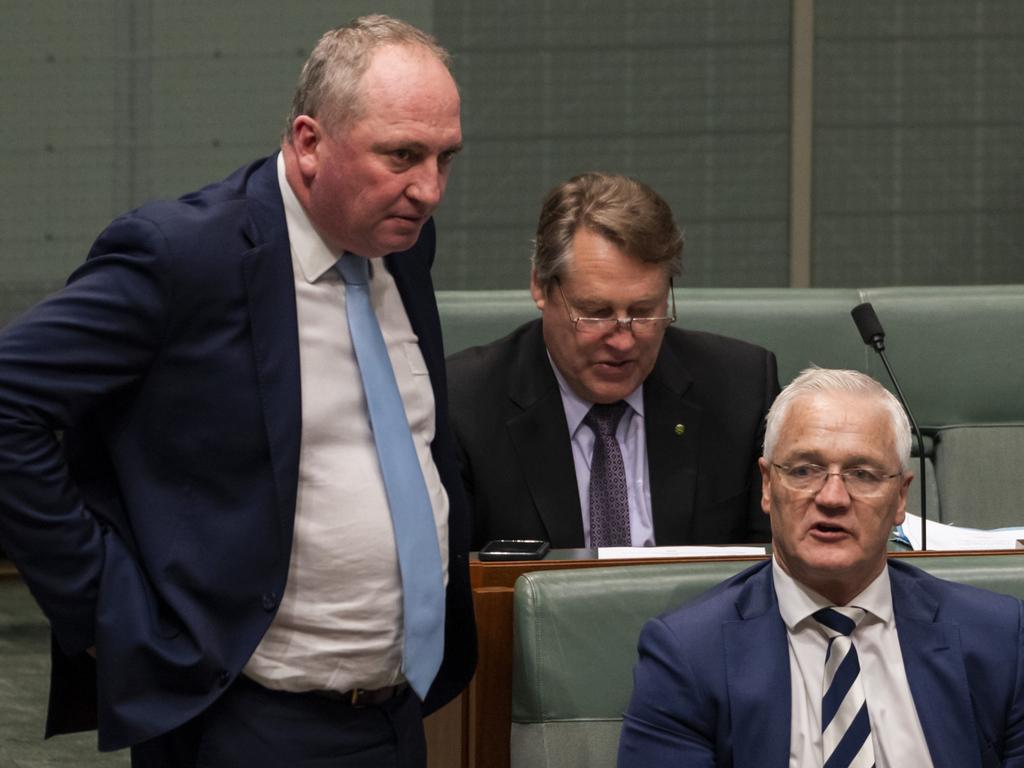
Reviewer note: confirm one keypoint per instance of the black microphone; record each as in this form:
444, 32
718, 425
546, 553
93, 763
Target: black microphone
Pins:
869, 326
871, 331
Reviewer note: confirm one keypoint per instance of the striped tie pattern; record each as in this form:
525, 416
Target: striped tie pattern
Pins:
845, 725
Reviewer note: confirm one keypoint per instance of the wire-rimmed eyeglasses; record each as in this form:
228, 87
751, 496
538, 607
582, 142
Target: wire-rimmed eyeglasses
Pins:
860, 482
602, 326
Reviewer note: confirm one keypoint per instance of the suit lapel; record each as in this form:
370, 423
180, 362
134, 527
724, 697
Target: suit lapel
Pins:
757, 676
539, 434
936, 674
270, 285
672, 458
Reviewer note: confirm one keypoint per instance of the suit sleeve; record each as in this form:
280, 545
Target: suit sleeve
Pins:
671, 718
1013, 750
61, 365
760, 527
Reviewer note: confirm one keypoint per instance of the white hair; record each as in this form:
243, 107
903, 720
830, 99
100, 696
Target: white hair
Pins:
818, 380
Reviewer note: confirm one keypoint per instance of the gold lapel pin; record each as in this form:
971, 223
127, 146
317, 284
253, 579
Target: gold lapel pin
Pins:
680, 429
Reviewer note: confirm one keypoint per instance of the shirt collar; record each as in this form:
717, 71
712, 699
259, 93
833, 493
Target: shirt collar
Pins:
797, 602
576, 408
308, 248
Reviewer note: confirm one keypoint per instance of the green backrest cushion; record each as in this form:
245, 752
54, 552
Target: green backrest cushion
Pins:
576, 632
471, 318
801, 326
958, 352
980, 476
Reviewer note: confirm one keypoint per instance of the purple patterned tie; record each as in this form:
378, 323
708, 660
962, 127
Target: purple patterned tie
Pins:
609, 507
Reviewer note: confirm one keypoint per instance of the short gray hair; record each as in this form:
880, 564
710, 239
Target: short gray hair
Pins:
822, 380
623, 210
329, 86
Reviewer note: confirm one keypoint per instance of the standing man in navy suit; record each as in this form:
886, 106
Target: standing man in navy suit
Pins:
920, 672
212, 539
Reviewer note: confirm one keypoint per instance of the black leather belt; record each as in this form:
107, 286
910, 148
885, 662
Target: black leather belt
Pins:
361, 697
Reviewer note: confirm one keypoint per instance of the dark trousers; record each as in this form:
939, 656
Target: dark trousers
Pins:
253, 727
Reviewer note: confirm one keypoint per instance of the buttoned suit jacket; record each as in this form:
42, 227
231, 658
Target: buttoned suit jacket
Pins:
160, 531
704, 406
712, 685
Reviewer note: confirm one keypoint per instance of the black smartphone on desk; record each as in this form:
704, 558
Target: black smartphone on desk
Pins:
514, 549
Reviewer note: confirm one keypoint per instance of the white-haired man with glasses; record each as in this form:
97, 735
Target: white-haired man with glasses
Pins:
600, 424
829, 654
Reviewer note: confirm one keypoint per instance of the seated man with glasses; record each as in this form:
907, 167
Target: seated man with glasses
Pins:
599, 424
830, 654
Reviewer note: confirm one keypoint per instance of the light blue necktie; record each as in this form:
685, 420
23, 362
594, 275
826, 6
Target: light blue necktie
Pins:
419, 558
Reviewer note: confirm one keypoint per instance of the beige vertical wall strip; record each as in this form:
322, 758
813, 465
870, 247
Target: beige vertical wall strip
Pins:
801, 135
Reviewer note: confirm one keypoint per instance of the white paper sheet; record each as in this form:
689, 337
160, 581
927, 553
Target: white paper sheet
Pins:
951, 537
641, 553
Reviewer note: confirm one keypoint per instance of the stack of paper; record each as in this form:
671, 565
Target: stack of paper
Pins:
953, 537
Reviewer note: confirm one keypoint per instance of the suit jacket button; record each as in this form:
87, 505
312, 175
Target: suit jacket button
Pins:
223, 679
269, 601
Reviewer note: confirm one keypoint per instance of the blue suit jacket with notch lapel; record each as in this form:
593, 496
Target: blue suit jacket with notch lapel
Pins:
712, 686
160, 531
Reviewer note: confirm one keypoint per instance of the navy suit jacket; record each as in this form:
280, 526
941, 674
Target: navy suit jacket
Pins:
160, 530
516, 455
712, 686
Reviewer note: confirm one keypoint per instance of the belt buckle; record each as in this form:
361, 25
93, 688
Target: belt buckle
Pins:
357, 695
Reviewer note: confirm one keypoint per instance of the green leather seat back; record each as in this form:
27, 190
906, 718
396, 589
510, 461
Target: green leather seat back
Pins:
472, 318
574, 648
575, 645
958, 352
802, 326
980, 475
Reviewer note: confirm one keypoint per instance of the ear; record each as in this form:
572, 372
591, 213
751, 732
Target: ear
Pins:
536, 291
306, 138
901, 506
766, 485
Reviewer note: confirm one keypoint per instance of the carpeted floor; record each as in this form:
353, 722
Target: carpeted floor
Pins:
24, 682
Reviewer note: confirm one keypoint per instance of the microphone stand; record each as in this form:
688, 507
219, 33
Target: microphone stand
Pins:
920, 447
871, 331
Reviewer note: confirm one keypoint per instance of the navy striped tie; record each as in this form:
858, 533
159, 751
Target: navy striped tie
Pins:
845, 725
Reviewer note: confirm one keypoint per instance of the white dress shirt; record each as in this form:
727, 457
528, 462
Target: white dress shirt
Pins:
339, 625
896, 732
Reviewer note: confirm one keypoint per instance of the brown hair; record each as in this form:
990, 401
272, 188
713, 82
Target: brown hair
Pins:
328, 87
625, 211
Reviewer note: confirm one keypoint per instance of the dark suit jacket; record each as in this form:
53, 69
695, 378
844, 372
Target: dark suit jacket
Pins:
516, 456
712, 687
161, 533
